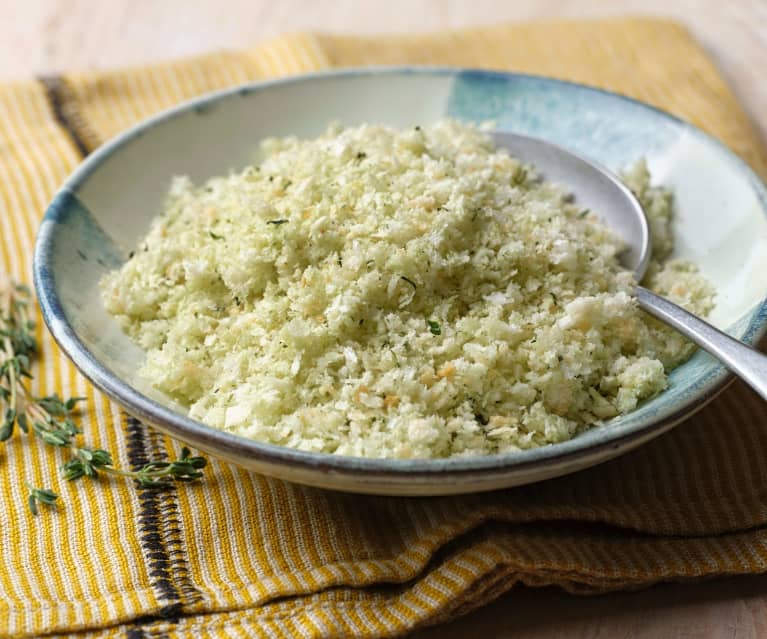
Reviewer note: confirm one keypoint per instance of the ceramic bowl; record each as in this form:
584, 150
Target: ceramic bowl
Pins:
106, 206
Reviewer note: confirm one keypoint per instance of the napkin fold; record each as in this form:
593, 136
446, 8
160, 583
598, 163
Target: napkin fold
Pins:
243, 555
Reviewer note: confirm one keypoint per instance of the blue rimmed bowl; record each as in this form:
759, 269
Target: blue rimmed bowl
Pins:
107, 204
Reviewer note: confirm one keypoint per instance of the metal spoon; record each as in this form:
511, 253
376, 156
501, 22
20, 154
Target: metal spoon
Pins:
598, 189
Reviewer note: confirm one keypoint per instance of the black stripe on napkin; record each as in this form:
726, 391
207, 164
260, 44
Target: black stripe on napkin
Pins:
57, 92
160, 526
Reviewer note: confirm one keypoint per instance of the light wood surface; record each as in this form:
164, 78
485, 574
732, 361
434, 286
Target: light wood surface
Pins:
43, 36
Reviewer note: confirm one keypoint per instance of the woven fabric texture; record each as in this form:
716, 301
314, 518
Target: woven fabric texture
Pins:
243, 555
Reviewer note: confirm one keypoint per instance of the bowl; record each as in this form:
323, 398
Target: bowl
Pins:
105, 207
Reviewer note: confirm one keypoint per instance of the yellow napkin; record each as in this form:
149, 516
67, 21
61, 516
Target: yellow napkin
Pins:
243, 555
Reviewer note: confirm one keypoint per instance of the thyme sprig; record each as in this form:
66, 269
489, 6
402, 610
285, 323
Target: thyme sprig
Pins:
50, 418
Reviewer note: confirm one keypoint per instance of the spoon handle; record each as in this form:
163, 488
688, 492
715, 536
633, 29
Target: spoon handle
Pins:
748, 363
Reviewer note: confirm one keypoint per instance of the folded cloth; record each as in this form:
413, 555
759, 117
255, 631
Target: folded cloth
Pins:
239, 554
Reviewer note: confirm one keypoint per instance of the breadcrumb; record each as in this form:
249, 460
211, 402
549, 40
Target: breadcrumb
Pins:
398, 293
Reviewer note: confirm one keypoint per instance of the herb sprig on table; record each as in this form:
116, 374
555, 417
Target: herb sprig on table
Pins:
50, 418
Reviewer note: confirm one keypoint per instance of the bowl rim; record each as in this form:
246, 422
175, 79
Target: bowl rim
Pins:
233, 446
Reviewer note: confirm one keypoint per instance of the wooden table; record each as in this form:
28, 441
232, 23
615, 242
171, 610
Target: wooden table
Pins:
42, 36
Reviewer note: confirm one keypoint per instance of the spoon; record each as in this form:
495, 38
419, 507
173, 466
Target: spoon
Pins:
598, 189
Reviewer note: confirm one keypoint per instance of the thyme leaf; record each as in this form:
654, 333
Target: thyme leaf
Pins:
41, 495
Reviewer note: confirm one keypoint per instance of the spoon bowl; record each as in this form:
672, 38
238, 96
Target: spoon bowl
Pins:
594, 187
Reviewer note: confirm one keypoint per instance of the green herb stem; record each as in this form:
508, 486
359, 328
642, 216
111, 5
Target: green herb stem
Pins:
50, 418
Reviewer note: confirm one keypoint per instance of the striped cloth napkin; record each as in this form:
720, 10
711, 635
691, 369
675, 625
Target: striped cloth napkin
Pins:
242, 555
